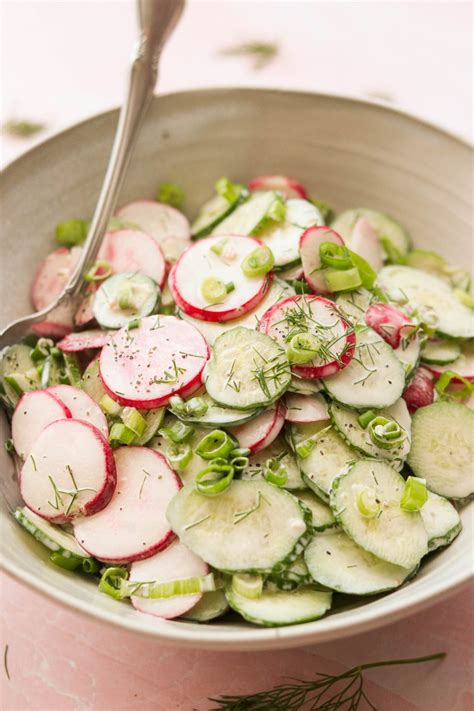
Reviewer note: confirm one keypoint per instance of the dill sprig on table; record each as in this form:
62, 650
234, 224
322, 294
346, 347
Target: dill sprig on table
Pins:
341, 692
262, 53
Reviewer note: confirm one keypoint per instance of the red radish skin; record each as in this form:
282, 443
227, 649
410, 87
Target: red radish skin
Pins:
310, 242
83, 341
273, 323
463, 366
301, 409
49, 329
33, 413
133, 526
81, 406
160, 221
69, 453
366, 244
52, 275
421, 390
174, 563
287, 186
389, 322
262, 430
199, 262
134, 251
143, 367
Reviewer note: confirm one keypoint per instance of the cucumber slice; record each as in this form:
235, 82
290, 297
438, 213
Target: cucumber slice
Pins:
354, 304
247, 370
252, 216
327, 458
92, 383
16, 363
390, 232
215, 210
277, 450
374, 377
154, 420
211, 605
322, 516
294, 576
395, 535
409, 355
427, 293
52, 537
304, 386
439, 351
125, 297
334, 560
442, 448
346, 423
218, 416
284, 238
252, 527
212, 329
276, 608
441, 520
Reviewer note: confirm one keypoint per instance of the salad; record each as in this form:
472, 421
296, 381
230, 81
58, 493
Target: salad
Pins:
255, 412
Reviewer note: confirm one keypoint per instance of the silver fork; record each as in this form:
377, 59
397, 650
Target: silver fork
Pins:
157, 19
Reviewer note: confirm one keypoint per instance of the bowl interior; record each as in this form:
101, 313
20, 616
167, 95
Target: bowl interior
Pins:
348, 153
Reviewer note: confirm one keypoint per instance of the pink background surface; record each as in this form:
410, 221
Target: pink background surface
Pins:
63, 61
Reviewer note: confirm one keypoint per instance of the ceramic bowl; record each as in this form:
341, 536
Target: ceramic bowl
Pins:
348, 153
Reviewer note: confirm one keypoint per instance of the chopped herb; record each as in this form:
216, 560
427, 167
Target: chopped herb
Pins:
22, 128
196, 523
5, 662
262, 53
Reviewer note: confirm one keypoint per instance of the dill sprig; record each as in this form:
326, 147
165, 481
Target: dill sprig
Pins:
327, 692
262, 53
22, 128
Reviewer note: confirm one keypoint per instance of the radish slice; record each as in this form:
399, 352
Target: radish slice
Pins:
420, 392
52, 276
84, 313
34, 412
389, 322
463, 366
262, 430
174, 247
366, 244
292, 273
134, 251
305, 408
133, 525
70, 470
81, 406
199, 261
143, 367
160, 221
287, 186
319, 317
75, 342
174, 563
310, 242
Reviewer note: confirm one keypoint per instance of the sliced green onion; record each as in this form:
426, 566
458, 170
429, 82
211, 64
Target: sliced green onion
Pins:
110, 406
90, 566
425, 260
304, 449
302, 348
121, 434
335, 256
239, 452
385, 433
258, 263
250, 586
213, 480
18, 382
178, 455
132, 325
275, 472
277, 210
239, 463
342, 280
219, 462
445, 380
68, 563
300, 286
196, 407
414, 495
219, 247
9, 446
367, 275
394, 256
71, 365
215, 444
99, 271
464, 297
42, 349
228, 190
71, 233
230, 286
367, 503
177, 433
176, 403
134, 420
114, 582
170, 194
365, 418
111, 582
213, 290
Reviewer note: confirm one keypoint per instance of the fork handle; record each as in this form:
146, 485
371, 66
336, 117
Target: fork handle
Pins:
157, 19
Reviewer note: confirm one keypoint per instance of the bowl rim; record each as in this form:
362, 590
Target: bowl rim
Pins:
248, 638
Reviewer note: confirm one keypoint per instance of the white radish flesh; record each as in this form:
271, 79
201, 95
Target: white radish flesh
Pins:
52, 275
143, 367
160, 221
133, 526
262, 430
81, 406
289, 187
305, 408
70, 470
84, 340
310, 242
134, 251
366, 244
174, 563
34, 412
